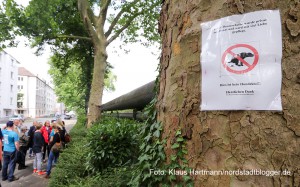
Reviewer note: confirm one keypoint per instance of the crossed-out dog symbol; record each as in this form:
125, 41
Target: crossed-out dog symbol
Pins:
242, 55
237, 63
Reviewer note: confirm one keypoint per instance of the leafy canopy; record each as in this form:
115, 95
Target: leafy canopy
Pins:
75, 28
56, 21
6, 35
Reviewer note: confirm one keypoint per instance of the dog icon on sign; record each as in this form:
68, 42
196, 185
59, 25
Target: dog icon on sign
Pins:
240, 58
236, 60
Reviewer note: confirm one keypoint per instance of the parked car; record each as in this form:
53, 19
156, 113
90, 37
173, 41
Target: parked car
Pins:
18, 116
56, 118
67, 116
71, 113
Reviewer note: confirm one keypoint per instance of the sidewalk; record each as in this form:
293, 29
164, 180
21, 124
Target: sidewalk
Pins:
26, 177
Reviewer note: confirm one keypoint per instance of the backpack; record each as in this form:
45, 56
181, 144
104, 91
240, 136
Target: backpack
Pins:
67, 138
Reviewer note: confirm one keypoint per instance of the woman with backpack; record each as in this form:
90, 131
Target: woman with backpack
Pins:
55, 147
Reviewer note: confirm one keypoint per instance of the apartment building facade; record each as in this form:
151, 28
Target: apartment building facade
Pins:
8, 84
36, 98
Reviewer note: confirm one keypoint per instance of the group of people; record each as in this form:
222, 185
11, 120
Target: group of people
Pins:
42, 140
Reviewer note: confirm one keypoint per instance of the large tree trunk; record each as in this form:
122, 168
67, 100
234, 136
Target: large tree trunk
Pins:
228, 140
97, 83
95, 27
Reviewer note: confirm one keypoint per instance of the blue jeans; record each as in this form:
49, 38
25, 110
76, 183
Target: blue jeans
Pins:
56, 155
9, 163
52, 157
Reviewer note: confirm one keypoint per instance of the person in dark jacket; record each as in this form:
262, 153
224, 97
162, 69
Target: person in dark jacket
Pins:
31, 134
53, 154
23, 140
38, 143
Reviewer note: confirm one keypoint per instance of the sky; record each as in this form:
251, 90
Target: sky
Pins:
133, 70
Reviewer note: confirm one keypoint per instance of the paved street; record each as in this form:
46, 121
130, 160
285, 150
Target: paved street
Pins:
26, 177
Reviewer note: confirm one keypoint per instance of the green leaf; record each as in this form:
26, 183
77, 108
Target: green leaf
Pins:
179, 139
172, 177
186, 178
178, 132
184, 161
157, 133
173, 157
144, 157
175, 146
148, 148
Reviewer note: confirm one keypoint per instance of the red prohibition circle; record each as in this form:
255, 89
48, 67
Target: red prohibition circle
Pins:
250, 66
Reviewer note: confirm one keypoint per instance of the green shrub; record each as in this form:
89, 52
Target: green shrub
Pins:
71, 161
112, 143
109, 177
116, 139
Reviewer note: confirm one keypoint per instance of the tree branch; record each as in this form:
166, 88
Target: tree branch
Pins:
114, 22
75, 37
83, 7
91, 15
116, 19
103, 12
118, 32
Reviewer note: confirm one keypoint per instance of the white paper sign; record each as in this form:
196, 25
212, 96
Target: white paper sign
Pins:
241, 62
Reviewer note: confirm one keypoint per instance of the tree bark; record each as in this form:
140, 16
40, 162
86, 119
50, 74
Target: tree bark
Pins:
97, 86
95, 28
228, 140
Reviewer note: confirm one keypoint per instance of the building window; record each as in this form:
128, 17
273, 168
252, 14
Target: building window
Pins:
12, 75
21, 78
11, 101
21, 87
11, 88
18, 87
12, 62
20, 104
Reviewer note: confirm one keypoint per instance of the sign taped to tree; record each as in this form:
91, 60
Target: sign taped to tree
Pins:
241, 62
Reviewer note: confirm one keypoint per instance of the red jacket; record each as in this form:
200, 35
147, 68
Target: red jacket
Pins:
46, 134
